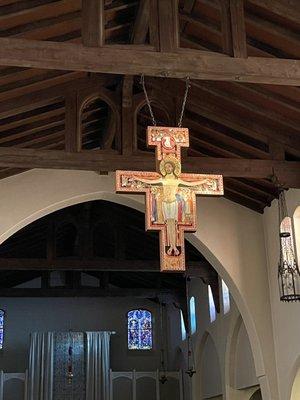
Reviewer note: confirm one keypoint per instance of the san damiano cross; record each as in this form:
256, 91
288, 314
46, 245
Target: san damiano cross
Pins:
170, 194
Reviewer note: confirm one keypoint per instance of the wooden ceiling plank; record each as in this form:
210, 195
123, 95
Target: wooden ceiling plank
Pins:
10, 137
57, 112
41, 85
67, 56
238, 197
281, 125
273, 35
289, 9
250, 190
51, 31
221, 138
44, 11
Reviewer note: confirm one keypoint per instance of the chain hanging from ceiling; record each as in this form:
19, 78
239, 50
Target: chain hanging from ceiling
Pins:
288, 270
187, 88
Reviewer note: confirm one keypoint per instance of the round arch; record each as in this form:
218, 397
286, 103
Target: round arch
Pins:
36, 193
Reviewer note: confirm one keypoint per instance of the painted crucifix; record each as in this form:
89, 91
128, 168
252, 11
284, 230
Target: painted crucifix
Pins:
170, 194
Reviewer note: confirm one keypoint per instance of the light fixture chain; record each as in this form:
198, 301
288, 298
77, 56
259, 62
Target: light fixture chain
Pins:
187, 87
147, 99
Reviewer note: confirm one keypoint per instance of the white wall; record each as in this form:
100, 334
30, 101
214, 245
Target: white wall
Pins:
285, 316
26, 315
230, 236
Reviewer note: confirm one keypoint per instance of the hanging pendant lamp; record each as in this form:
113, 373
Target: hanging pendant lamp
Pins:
288, 270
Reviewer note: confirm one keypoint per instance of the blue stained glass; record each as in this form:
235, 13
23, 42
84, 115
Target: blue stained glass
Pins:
139, 330
212, 307
193, 315
182, 325
1, 328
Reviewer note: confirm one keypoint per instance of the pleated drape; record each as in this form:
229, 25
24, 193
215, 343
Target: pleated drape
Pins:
97, 365
40, 370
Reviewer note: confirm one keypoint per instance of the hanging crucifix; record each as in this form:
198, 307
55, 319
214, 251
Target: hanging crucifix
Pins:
170, 194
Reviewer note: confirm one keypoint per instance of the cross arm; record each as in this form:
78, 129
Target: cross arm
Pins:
136, 181
203, 184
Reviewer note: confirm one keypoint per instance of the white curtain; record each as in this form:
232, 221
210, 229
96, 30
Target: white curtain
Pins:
40, 371
97, 365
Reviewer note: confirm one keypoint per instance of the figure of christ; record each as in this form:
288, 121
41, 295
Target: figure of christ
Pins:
170, 182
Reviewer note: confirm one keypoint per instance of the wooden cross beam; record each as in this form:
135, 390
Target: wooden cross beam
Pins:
287, 172
130, 60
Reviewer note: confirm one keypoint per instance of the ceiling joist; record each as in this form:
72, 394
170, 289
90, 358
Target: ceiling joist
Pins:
287, 172
133, 61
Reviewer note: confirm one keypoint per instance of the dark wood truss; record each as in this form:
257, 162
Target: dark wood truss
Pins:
67, 87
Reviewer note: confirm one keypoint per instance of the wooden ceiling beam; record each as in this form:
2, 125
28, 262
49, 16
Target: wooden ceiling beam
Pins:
144, 293
200, 268
286, 171
75, 57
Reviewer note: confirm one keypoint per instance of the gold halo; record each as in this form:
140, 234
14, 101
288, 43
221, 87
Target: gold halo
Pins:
172, 160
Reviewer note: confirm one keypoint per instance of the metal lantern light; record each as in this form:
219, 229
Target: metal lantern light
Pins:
288, 270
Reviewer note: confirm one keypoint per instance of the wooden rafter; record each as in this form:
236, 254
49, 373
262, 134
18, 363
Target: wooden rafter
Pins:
196, 64
93, 33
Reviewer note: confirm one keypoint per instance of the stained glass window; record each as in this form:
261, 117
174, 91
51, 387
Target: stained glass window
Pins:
1, 328
212, 307
193, 315
226, 298
139, 330
182, 324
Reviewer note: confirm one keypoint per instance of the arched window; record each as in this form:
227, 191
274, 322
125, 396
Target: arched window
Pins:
193, 315
1, 328
139, 324
182, 325
226, 298
212, 307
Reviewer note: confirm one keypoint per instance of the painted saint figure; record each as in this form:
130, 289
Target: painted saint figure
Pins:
170, 170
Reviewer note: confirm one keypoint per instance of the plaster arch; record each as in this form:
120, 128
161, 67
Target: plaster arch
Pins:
36, 193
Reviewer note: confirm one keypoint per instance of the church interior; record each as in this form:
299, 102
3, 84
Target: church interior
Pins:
149, 200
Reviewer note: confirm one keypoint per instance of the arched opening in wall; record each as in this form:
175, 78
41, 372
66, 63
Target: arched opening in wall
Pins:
210, 370
104, 240
296, 387
143, 120
116, 277
296, 220
98, 125
66, 240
